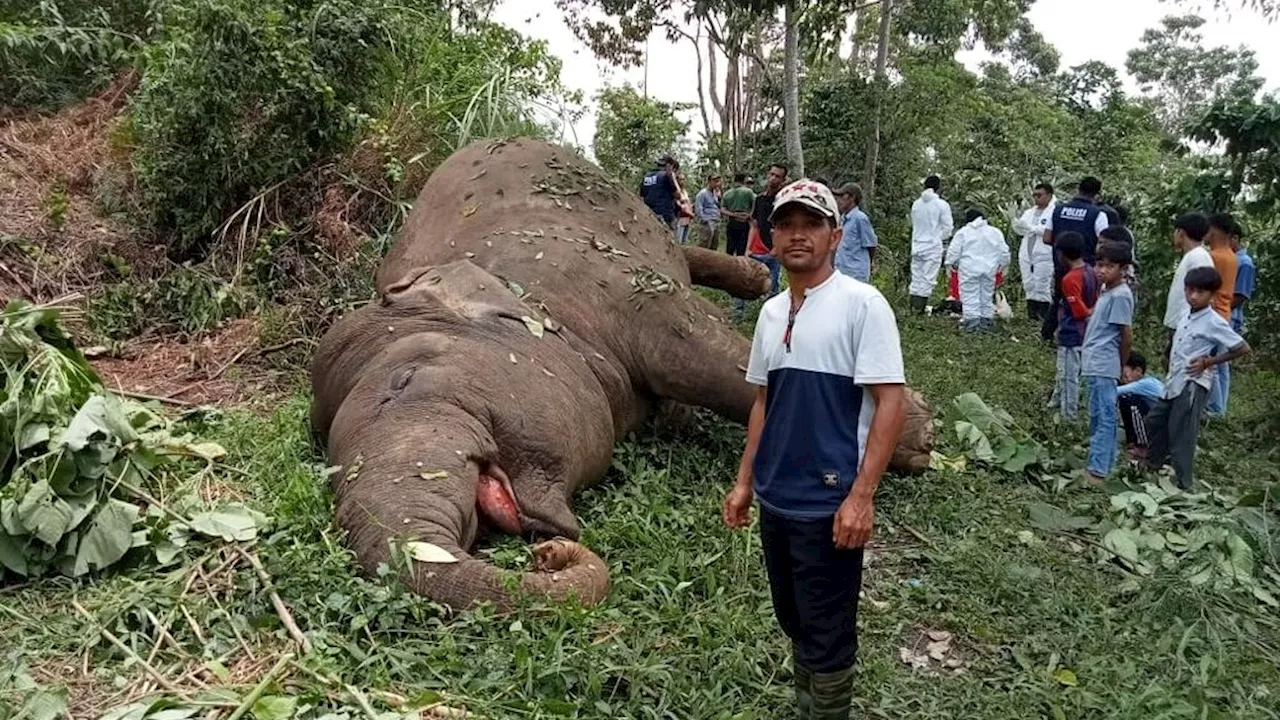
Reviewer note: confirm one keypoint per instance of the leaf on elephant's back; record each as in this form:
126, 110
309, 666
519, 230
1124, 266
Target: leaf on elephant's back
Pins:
434, 475
469, 210
536, 328
427, 552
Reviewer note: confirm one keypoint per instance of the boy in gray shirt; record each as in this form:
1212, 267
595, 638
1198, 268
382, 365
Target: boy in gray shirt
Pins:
1106, 348
1198, 345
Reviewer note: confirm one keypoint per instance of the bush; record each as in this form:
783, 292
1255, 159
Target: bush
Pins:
239, 94
187, 300
52, 53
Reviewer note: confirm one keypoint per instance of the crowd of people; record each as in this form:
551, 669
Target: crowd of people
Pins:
827, 362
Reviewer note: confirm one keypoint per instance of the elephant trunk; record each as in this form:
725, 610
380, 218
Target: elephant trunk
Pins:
407, 495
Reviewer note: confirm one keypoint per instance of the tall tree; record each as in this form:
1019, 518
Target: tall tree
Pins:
881, 87
1182, 78
632, 131
791, 89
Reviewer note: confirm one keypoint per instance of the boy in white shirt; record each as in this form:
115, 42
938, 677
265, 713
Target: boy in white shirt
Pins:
1202, 341
1189, 232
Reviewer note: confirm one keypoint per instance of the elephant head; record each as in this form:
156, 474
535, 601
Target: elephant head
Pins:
413, 393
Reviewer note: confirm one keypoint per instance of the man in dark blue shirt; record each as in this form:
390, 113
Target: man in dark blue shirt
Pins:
1081, 215
659, 190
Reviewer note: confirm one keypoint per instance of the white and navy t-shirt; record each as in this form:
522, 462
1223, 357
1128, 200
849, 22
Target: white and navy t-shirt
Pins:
817, 415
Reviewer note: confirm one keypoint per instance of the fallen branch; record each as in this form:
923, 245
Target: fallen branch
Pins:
155, 674
282, 610
261, 687
223, 368
286, 344
143, 396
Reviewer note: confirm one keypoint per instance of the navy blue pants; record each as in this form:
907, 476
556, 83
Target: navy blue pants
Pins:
815, 590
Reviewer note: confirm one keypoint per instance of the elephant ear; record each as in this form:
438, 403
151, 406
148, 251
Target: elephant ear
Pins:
461, 288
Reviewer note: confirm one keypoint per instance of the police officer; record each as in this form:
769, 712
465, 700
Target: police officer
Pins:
660, 192
1082, 215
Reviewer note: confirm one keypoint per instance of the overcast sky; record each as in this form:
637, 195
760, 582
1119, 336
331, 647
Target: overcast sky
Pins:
1081, 30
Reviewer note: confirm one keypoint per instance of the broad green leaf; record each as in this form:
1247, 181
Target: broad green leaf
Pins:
45, 704
11, 555
44, 514
1066, 677
274, 707
1124, 543
232, 522
33, 434
1023, 458
108, 538
1142, 502
100, 417
1241, 556
208, 451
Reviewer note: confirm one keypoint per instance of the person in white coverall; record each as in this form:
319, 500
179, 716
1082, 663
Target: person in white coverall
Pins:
978, 252
931, 224
1035, 258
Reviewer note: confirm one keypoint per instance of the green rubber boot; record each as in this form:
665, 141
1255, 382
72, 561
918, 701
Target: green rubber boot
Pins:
832, 695
804, 691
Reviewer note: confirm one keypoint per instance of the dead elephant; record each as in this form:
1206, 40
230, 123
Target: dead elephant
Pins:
531, 313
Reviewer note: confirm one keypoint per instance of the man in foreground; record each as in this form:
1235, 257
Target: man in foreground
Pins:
828, 411
931, 224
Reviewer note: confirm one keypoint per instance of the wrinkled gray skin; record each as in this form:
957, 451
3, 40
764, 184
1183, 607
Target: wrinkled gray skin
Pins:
437, 395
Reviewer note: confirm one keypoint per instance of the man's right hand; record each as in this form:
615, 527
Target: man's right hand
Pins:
737, 506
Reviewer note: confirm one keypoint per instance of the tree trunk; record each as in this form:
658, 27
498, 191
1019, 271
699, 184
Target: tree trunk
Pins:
702, 98
854, 49
791, 90
881, 86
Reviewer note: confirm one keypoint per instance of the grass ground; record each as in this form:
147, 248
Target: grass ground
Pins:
687, 631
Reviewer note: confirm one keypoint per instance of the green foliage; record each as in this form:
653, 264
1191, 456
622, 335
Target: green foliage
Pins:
992, 436
1205, 539
632, 131
75, 458
238, 95
55, 51
190, 300
1182, 78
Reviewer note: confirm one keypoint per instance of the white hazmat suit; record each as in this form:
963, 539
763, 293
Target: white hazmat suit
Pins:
979, 252
930, 224
1035, 257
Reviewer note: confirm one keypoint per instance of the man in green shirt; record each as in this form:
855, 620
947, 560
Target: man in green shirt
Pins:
735, 207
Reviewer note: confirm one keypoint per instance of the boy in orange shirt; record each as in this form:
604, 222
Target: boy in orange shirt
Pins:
1222, 227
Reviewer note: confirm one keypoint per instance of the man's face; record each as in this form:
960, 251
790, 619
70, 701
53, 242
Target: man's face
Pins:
776, 178
1130, 374
1198, 298
1109, 273
1235, 243
1041, 198
844, 201
803, 240
714, 183
1180, 240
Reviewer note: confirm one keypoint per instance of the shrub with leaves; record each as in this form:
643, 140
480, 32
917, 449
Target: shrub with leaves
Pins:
1207, 538
75, 461
992, 436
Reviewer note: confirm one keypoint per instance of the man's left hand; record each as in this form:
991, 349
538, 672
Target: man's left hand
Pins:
854, 522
